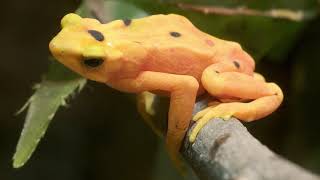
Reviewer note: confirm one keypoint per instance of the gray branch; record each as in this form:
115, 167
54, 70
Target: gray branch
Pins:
225, 150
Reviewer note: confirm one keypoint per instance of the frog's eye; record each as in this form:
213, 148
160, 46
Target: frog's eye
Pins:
93, 62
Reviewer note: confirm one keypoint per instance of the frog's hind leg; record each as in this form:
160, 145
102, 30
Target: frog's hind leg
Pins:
264, 97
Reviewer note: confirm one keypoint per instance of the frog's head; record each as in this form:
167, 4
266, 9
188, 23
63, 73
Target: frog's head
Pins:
82, 47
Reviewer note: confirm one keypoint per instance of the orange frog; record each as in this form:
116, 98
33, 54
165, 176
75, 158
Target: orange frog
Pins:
167, 53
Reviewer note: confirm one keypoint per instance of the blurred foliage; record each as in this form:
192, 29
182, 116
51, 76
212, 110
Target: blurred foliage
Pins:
270, 32
263, 37
51, 93
283, 4
305, 124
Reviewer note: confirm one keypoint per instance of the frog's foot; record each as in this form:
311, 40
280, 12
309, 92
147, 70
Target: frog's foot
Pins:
203, 112
224, 111
245, 111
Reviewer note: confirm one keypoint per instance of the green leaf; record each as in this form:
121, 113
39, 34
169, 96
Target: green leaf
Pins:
115, 10
259, 34
57, 85
51, 93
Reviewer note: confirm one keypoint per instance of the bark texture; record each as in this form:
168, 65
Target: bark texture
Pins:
225, 150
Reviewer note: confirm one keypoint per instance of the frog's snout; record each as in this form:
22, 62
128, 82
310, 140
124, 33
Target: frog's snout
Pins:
52, 47
56, 47
59, 50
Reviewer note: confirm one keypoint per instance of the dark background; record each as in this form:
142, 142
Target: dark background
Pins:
99, 138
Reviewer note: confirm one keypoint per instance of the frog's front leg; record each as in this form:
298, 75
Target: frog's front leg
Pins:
183, 91
220, 80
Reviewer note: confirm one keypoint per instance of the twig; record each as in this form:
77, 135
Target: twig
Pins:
225, 150
241, 10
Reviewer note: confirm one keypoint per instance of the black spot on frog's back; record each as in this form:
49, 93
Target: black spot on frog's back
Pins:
96, 35
237, 64
175, 34
127, 22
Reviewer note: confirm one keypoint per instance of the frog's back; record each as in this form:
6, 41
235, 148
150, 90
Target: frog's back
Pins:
165, 32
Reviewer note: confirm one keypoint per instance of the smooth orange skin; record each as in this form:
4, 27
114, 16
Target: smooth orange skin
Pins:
145, 56
147, 45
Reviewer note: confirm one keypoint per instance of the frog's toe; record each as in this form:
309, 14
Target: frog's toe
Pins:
207, 114
201, 113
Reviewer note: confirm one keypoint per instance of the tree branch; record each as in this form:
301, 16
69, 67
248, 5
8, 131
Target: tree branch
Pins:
223, 150
288, 14
226, 150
